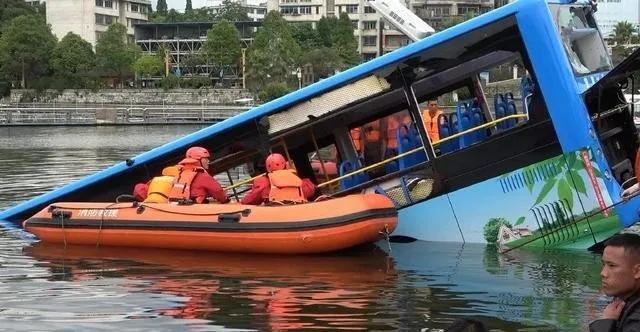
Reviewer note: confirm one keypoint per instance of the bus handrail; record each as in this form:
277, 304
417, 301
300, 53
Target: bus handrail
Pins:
482, 126
386, 161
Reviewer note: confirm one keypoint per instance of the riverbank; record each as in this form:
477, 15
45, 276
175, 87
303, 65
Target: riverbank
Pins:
53, 115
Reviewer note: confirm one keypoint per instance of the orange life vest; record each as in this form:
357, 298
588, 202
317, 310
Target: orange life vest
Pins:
431, 125
159, 189
187, 171
286, 186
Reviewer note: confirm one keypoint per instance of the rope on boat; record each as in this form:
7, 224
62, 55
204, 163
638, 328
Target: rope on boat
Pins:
386, 234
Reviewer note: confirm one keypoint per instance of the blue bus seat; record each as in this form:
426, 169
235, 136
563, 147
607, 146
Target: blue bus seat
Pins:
478, 119
393, 166
348, 166
526, 88
409, 139
445, 131
500, 109
453, 129
511, 109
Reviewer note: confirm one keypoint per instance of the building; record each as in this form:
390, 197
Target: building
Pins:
183, 41
375, 35
91, 18
436, 12
610, 12
255, 11
33, 2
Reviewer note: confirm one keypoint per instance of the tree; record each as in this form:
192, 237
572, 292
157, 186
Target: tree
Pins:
114, 56
306, 36
26, 45
148, 65
10, 9
344, 42
326, 30
492, 227
73, 59
222, 47
273, 53
161, 7
272, 91
188, 7
324, 61
622, 33
232, 11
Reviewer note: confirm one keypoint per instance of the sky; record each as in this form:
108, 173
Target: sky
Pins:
179, 4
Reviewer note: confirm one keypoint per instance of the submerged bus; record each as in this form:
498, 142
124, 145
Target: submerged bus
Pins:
545, 170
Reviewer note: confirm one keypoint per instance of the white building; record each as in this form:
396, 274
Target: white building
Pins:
610, 12
255, 10
91, 18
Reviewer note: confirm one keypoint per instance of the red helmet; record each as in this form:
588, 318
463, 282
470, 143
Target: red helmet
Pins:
275, 162
197, 153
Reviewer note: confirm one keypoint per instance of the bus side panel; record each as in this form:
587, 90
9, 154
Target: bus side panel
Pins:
541, 205
587, 178
431, 220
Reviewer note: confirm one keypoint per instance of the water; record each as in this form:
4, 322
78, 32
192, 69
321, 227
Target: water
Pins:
418, 286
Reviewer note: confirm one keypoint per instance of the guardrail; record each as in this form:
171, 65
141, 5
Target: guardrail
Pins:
26, 115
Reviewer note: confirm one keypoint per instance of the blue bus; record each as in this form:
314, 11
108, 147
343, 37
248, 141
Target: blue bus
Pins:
538, 159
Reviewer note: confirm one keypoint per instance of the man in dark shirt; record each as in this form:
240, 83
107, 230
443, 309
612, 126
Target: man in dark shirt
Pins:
621, 279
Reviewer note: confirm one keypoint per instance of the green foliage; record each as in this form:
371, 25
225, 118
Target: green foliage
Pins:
307, 37
148, 65
232, 11
344, 42
222, 47
170, 82
273, 53
324, 61
195, 82
161, 7
188, 7
73, 58
623, 33
272, 91
190, 62
113, 55
455, 20
326, 30
26, 45
10, 9
492, 227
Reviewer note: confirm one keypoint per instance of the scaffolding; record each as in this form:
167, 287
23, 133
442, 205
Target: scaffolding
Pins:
183, 42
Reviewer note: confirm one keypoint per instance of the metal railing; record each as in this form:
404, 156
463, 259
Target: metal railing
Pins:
154, 114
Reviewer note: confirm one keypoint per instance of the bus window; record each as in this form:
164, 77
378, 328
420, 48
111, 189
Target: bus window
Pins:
324, 163
582, 42
379, 140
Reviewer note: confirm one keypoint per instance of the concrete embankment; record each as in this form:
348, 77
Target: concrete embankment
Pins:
122, 106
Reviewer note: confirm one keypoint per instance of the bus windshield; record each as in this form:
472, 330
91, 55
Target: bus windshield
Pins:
581, 39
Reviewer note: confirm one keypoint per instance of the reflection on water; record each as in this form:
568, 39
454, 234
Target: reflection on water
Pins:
417, 286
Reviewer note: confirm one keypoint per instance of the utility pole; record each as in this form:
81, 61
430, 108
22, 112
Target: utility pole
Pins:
243, 65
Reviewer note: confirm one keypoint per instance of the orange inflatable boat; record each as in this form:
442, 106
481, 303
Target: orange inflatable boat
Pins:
316, 227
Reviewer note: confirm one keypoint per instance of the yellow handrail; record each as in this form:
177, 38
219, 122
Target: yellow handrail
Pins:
378, 164
386, 161
243, 182
486, 125
364, 169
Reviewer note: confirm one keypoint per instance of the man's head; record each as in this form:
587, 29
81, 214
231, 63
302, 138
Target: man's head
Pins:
621, 265
275, 162
200, 154
432, 105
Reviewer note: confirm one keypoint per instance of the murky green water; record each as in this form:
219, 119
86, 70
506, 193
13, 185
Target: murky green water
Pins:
417, 286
